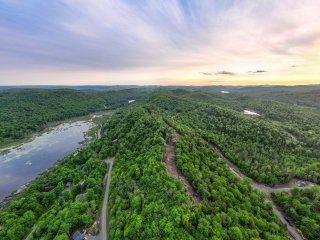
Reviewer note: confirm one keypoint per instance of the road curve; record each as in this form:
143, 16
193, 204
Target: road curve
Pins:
104, 212
292, 230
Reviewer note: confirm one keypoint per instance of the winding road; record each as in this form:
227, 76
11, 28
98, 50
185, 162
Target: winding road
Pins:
292, 230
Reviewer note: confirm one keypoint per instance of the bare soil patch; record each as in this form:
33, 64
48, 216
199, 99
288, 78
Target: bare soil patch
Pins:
173, 170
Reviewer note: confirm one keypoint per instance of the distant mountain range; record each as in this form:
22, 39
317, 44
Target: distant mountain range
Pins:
217, 88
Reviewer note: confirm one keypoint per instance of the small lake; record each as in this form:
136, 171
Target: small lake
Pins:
21, 164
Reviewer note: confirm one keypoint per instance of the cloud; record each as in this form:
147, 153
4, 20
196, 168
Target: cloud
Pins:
258, 71
225, 73
169, 37
206, 73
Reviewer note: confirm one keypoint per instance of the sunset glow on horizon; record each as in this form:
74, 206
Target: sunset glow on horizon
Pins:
123, 42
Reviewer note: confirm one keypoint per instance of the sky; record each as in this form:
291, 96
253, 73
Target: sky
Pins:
163, 42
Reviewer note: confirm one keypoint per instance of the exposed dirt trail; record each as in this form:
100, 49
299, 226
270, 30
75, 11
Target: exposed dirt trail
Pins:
171, 164
292, 230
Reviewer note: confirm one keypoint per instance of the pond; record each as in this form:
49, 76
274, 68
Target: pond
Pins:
250, 112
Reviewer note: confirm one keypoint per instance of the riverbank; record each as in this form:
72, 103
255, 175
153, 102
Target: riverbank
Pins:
69, 178
10, 144
96, 117
21, 164
25, 163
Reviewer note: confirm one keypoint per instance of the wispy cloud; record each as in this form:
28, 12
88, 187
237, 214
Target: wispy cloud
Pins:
257, 71
206, 73
225, 73
169, 39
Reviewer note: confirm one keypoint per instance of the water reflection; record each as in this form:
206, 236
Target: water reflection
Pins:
22, 164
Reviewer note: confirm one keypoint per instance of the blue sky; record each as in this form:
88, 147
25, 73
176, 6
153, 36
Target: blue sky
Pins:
159, 42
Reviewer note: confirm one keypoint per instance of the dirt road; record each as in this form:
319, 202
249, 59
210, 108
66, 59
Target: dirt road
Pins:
104, 214
172, 168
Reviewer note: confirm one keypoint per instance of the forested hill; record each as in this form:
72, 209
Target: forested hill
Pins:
309, 97
280, 144
147, 203
146, 200
267, 148
25, 111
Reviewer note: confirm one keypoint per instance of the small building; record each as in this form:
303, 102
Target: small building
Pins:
81, 182
68, 185
78, 236
131, 101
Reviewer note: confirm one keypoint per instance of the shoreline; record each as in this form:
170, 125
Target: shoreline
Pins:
7, 199
49, 126
83, 143
93, 133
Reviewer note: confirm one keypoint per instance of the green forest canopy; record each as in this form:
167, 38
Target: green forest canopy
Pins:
145, 202
26, 111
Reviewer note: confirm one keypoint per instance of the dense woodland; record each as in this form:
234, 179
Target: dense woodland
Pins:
266, 150
145, 202
26, 111
307, 96
303, 208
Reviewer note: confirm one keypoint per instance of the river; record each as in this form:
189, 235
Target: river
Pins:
24, 163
